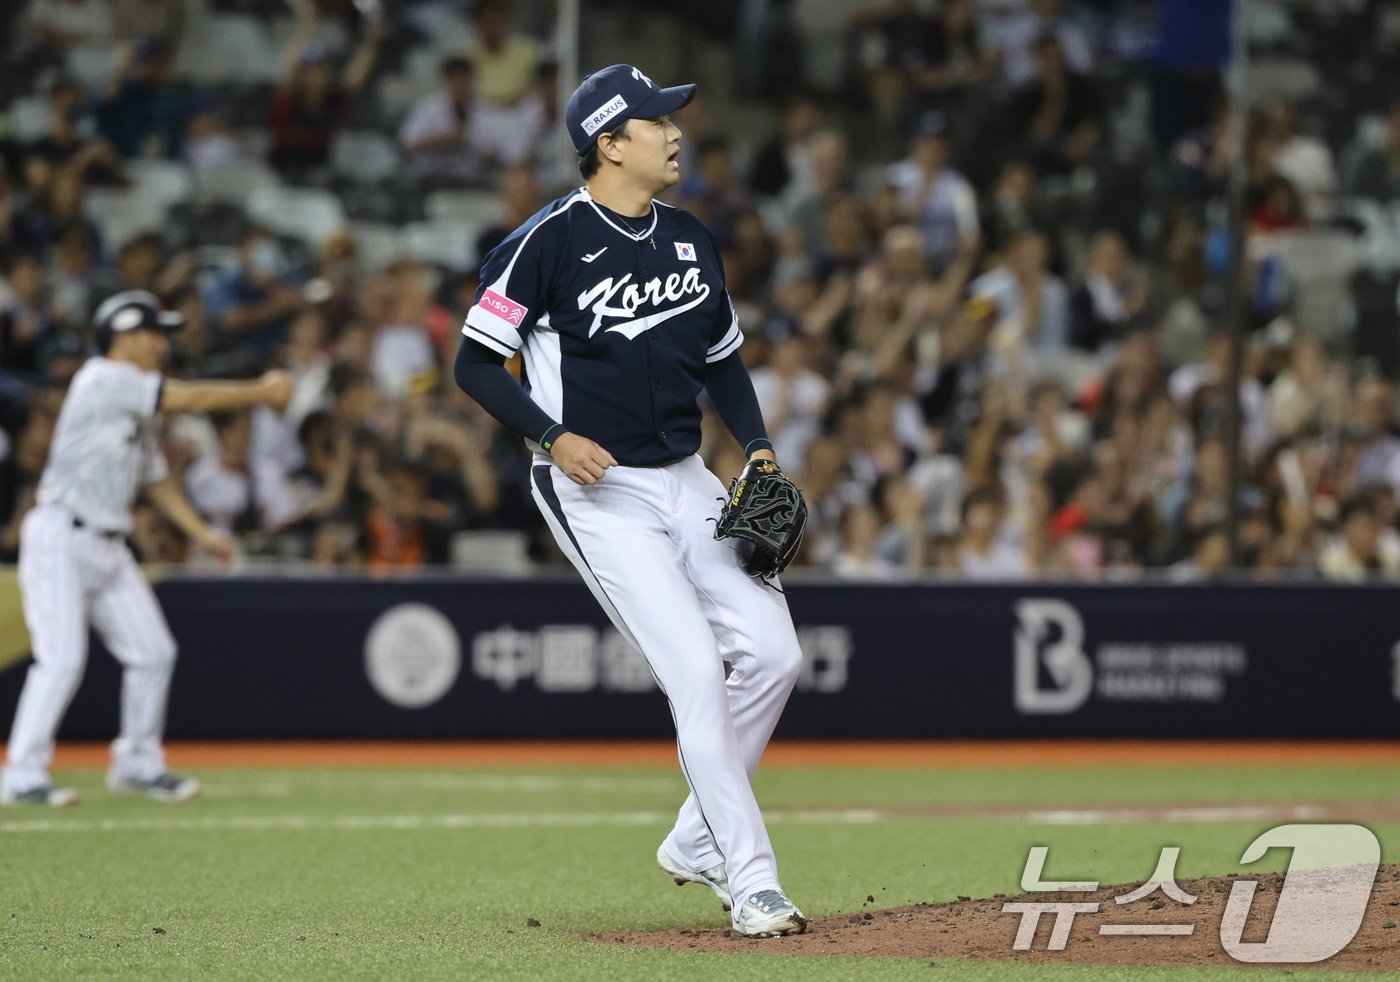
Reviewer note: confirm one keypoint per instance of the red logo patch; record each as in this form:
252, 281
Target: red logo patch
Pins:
503, 307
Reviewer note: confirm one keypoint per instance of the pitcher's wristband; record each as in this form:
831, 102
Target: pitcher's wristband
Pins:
551, 434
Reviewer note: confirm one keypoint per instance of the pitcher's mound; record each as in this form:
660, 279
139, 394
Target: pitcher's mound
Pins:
981, 929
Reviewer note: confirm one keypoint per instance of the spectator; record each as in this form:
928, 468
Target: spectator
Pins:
70, 23
1013, 205
69, 142
141, 112
1111, 296
792, 396
209, 143
74, 275
1021, 36
220, 485
1032, 302
935, 197
311, 102
399, 531
984, 552
959, 61
1376, 174
26, 323
1279, 208
895, 39
830, 180
1058, 111
1304, 160
1355, 551
506, 62
443, 134
714, 192
40, 223
520, 196
251, 306
293, 504
149, 18
860, 536
407, 348
462, 489
784, 160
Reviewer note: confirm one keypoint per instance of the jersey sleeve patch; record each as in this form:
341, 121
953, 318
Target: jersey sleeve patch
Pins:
495, 322
503, 307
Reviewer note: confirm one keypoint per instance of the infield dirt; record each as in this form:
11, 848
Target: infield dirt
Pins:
969, 928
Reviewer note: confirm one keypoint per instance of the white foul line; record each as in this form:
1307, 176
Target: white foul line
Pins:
1221, 813
296, 823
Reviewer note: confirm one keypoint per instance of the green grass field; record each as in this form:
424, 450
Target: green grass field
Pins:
432, 874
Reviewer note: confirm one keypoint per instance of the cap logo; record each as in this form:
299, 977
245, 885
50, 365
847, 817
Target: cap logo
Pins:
128, 319
595, 120
637, 74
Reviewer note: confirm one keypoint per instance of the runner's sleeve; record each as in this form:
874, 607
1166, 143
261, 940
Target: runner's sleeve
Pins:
132, 391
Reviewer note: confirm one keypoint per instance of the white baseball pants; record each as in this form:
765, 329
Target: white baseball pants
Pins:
70, 578
643, 539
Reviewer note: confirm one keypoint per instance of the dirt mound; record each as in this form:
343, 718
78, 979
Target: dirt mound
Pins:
981, 929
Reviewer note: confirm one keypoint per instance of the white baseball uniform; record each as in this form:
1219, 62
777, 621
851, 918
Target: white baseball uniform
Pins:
619, 329
75, 570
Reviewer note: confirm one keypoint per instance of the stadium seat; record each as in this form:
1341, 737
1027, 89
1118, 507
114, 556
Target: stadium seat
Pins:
377, 243
1380, 240
450, 244
364, 156
246, 45
92, 66
503, 552
167, 181
236, 183
398, 93
474, 207
205, 223
1288, 78
1319, 265
309, 214
122, 215
29, 118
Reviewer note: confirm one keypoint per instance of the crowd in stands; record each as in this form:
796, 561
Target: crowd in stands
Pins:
981, 280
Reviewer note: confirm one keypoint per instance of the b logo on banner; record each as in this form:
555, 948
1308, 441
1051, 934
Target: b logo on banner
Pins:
1065, 662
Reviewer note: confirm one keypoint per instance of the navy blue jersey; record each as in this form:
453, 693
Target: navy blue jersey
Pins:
614, 326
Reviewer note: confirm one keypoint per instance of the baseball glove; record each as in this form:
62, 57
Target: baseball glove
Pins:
766, 509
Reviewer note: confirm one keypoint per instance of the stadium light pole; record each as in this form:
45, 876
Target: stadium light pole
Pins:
1234, 299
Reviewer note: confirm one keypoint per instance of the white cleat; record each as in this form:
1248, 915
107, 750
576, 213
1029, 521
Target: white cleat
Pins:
44, 794
769, 914
714, 877
166, 787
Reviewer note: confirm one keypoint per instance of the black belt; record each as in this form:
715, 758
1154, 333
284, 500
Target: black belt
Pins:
78, 523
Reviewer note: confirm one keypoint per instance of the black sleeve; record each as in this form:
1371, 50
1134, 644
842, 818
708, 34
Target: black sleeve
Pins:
731, 390
481, 374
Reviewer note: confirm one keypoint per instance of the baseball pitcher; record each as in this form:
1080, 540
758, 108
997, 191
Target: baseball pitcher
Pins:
617, 304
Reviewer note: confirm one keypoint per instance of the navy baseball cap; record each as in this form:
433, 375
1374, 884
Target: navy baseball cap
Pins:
134, 310
613, 95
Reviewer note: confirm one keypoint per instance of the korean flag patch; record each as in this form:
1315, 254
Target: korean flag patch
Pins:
686, 252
